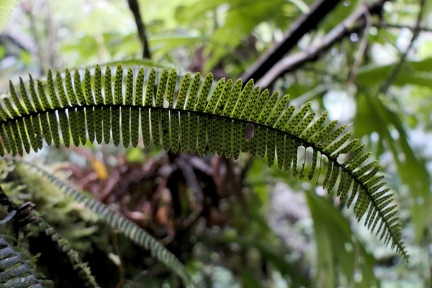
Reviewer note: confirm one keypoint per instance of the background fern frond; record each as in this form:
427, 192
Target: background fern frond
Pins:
118, 222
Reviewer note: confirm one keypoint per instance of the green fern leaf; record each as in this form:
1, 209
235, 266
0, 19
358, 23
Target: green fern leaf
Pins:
203, 116
333, 137
125, 125
24, 136
242, 100
106, 123
365, 168
344, 186
237, 133
5, 139
201, 135
232, 99
129, 88
281, 122
161, 88
60, 89
98, 115
46, 103
139, 88
333, 147
145, 126
184, 87
313, 164
45, 128
75, 129
64, 127
70, 89
304, 124
250, 103
354, 193
78, 88
211, 105
314, 128
184, 129
174, 134
265, 113
118, 86
36, 100
155, 127
98, 85
88, 89
10, 110
222, 99
277, 111
257, 105
37, 128
346, 149
280, 152
324, 132
28, 104
205, 90
150, 89
14, 143
115, 125
165, 130
333, 178
171, 88
271, 147
21, 108
292, 124
135, 126
92, 125
109, 98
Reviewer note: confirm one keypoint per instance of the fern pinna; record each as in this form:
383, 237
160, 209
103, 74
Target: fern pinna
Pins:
160, 108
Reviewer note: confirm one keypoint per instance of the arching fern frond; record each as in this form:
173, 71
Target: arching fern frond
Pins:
181, 112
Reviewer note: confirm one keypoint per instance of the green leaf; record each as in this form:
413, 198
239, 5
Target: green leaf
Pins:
337, 248
412, 72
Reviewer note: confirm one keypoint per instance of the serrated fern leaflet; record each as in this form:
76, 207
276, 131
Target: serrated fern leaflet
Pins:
183, 112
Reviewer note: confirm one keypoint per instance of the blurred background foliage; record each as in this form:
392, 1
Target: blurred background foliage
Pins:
240, 223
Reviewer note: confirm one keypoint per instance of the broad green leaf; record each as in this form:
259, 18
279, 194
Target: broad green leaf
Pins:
337, 247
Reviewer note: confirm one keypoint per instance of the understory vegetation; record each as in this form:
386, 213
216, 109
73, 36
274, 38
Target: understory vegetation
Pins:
215, 143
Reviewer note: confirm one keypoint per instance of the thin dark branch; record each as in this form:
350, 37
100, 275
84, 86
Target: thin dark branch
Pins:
299, 28
353, 23
134, 7
383, 89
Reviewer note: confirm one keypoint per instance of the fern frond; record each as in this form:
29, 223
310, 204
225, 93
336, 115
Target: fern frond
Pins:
198, 117
115, 221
